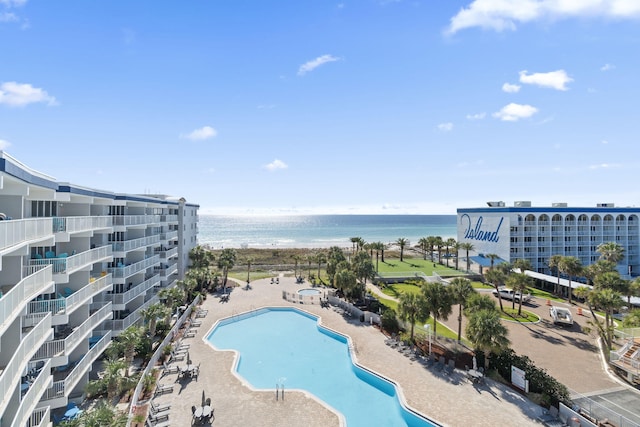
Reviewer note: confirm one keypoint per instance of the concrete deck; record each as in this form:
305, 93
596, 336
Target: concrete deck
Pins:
447, 399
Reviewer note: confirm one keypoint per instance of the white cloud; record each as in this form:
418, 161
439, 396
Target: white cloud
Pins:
500, 15
12, 3
604, 141
605, 166
553, 79
205, 132
445, 127
477, 116
607, 67
510, 88
128, 36
21, 94
315, 63
275, 165
4, 144
8, 17
514, 112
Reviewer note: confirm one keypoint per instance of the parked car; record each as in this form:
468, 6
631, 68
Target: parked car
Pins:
510, 294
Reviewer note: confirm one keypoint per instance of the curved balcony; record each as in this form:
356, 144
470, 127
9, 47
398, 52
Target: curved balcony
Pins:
68, 304
30, 400
29, 344
130, 245
130, 270
37, 281
124, 298
130, 220
78, 224
71, 264
23, 231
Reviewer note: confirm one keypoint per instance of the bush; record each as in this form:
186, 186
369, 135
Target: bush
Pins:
551, 390
389, 321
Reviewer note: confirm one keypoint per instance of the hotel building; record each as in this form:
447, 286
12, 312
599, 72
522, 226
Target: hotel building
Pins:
77, 267
537, 233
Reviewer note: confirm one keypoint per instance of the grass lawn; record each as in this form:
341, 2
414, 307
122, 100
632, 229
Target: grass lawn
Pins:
409, 264
512, 314
396, 289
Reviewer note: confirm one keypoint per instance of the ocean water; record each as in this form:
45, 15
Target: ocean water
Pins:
319, 231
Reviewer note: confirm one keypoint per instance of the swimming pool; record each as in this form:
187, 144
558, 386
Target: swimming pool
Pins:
287, 346
309, 292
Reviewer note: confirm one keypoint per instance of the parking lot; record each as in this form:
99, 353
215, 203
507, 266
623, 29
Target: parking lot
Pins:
569, 354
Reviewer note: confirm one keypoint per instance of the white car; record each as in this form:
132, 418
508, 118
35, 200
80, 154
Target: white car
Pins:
561, 315
510, 294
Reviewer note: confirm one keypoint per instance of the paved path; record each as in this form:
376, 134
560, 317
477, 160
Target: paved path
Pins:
450, 400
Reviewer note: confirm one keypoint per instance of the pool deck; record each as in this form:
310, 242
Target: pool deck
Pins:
450, 400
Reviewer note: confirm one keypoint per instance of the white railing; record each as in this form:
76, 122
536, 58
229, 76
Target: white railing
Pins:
136, 291
10, 376
136, 219
169, 254
169, 218
129, 245
68, 344
64, 387
75, 224
25, 416
36, 281
40, 417
132, 269
133, 317
69, 304
170, 235
74, 263
16, 231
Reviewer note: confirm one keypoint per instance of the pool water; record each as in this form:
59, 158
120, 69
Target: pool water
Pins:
286, 346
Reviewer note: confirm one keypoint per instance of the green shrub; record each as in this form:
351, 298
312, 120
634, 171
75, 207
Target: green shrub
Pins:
389, 321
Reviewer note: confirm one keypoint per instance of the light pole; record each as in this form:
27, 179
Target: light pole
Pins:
428, 328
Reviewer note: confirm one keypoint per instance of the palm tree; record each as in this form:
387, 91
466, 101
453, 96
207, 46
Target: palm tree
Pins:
363, 267
522, 264
102, 415
411, 308
439, 244
492, 259
519, 282
438, 301
467, 246
402, 242
321, 258
554, 263
456, 250
154, 312
432, 243
460, 289
378, 247
607, 300
423, 244
249, 261
201, 257
354, 242
571, 266
226, 261
448, 246
497, 279
345, 280
296, 259
310, 258
113, 376
611, 251
585, 292
487, 333
130, 339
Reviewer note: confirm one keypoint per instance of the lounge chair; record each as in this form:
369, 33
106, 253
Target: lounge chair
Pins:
167, 370
150, 423
163, 388
159, 416
158, 408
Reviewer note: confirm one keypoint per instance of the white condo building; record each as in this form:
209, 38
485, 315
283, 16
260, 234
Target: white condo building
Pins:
77, 267
537, 233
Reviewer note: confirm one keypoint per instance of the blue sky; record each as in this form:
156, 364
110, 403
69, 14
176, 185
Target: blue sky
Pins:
368, 106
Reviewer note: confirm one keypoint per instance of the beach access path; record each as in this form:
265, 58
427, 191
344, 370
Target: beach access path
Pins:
450, 400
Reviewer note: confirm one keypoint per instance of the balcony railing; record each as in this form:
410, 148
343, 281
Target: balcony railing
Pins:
169, 218
67, 345
122, 324
170, 235
37, 280
130, 270
11, 374
25, 415
40, 417
129, 245
16, 231
76, 262
169, 254
64, 387
76, 224
136, 291
69, 304
125, 220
